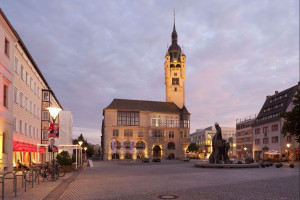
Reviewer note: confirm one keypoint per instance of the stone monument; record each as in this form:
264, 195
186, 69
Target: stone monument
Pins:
220, 148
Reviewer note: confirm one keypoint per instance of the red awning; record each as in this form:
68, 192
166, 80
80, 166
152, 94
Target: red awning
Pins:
25, 147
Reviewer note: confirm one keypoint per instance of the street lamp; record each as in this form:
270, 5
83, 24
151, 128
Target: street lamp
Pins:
85, 157
288, 146
80, 143
54, 111
245, 149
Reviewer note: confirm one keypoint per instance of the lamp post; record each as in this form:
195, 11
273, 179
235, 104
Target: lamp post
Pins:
80, 143
54, 111
245, 150
288, 146
85, 157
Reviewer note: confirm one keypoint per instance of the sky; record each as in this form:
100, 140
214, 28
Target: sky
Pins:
237, 53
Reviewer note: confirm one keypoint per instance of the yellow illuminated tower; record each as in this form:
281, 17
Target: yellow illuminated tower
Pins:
175, 72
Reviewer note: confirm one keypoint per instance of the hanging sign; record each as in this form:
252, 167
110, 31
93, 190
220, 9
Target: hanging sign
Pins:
124, 145
132, 145
114, 146
53, 137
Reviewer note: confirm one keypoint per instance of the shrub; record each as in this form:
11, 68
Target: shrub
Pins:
63, 158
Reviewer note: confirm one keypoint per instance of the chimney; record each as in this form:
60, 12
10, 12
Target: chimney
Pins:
276, 92
267, 96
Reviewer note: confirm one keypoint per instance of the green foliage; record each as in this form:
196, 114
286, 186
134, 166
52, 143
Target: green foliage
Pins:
63, 158
292, 119
90, 148
193, 147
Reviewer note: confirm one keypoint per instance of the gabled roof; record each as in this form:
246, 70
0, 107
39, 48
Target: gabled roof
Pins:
184, 110
278, 102
141, 105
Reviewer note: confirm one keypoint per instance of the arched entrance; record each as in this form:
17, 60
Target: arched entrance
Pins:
115, 156
171, 156
156, 151
128, 156
171, 145
140, 156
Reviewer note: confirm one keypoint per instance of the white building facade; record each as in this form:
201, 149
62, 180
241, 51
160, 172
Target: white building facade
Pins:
7, 41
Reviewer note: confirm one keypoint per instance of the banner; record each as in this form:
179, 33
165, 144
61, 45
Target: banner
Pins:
53, 137
124, 145
114, 145
132, 145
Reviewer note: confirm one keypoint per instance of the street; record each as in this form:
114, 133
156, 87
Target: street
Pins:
125, 180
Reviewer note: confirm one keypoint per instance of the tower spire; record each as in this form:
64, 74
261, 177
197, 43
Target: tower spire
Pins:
174, 12
174, 33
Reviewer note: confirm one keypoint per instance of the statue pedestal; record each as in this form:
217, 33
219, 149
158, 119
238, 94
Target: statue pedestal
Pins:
209, 165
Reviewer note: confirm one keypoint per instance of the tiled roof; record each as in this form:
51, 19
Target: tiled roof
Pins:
141, 105
274, 105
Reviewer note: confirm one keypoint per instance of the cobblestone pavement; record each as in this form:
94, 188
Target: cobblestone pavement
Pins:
121, 180
38, 191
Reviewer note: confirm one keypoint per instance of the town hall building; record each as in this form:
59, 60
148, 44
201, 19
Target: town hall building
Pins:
135, 129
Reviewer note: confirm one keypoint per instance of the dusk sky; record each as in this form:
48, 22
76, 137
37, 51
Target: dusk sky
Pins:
237, 53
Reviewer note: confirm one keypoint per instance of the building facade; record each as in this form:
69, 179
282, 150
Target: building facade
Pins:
203, 137
157, 129
244, 137
21, 103
268, 142
7, 41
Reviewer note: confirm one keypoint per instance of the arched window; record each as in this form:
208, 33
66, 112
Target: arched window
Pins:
140, 145
171, 145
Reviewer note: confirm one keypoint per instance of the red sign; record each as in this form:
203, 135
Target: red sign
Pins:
53, 130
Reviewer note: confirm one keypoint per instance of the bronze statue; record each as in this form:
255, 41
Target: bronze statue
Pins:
220, 148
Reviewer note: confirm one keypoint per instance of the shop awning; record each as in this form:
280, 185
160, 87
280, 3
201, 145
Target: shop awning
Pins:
25, 147
273, 152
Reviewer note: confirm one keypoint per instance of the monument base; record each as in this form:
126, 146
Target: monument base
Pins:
209, 165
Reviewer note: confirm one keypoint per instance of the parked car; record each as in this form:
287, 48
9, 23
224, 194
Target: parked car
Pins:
185, 159
156, 160
145, 160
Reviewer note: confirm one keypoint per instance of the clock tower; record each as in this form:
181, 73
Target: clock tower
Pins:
175, 72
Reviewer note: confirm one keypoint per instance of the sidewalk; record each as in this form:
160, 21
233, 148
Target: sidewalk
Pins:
43, 190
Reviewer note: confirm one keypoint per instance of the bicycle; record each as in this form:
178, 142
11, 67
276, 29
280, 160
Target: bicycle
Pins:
60, 170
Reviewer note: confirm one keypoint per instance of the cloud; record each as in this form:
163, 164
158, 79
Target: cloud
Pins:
93, 51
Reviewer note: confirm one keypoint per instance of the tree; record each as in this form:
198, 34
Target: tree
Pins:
193, 147
90, 148
291, 123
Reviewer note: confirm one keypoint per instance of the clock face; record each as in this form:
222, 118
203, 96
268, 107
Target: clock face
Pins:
175, 81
